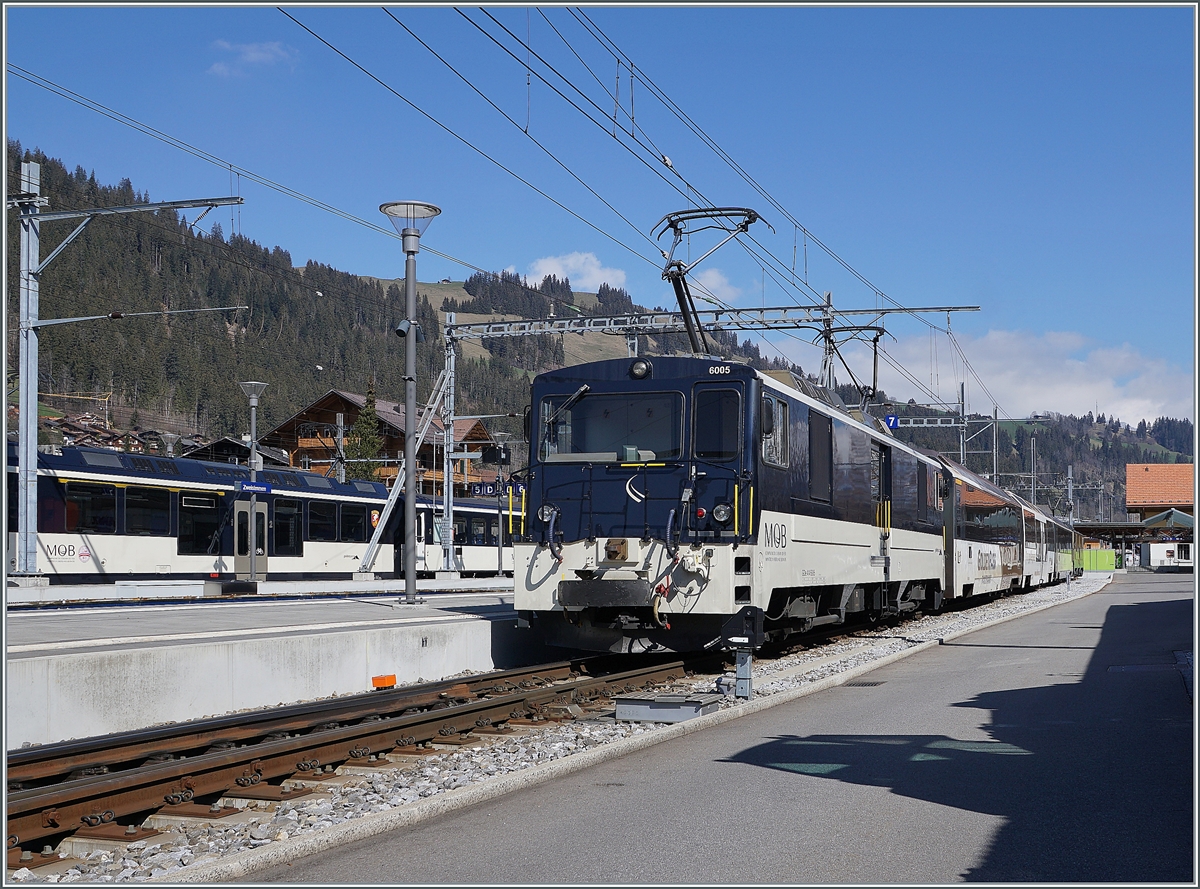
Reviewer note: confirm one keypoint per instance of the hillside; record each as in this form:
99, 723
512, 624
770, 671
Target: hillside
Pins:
312, 328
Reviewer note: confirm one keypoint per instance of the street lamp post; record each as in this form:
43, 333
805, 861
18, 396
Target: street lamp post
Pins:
253, 390
410, 218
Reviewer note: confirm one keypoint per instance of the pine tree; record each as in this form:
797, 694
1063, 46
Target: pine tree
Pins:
365, 440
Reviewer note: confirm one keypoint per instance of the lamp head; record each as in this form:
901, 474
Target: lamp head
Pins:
253, 389
410, 215
403, 328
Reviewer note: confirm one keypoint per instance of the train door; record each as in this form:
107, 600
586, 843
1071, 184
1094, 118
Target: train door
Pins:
241, 549
881, 500
717, 434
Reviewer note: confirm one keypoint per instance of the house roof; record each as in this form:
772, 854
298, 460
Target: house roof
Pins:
391, 416
1159, 484
1171, 518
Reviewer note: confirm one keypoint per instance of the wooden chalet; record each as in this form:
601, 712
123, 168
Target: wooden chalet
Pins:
310, 437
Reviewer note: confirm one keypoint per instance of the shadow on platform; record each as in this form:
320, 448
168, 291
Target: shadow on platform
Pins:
1093, 777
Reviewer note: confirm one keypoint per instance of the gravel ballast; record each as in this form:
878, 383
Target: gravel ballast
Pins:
410, 793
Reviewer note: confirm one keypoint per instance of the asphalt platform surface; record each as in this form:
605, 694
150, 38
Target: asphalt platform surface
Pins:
1054, 747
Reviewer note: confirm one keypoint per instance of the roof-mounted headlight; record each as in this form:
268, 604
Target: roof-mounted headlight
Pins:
640, 369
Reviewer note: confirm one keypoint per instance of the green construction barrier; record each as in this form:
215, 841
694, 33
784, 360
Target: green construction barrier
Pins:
1097, 559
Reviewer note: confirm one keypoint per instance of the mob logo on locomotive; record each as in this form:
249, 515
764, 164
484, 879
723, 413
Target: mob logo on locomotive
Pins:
774, 535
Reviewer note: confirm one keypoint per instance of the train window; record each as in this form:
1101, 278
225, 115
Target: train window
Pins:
288, 539
717, 424
618, 428
922, 492
820, 457
775, 445
366, 487
322, 521
460, 530
148, 512
51, 505
354, 523
199, 524
493, 532
319, 481
478, 538
91, 509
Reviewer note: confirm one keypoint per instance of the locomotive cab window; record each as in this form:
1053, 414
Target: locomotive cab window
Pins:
616, 428
716, 424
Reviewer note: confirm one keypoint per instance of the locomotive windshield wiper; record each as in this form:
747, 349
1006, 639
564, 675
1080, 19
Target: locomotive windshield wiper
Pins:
569, 403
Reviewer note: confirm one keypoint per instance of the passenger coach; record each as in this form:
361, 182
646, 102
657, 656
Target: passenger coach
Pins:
104, 516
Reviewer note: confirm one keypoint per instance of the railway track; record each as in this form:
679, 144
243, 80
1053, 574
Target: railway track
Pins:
104, 787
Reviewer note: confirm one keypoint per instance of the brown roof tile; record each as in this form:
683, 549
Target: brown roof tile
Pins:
1159, 484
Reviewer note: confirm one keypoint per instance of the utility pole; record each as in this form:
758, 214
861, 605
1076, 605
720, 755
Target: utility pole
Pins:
1033, 469
995, 444
448, 457
29, 202
962, 418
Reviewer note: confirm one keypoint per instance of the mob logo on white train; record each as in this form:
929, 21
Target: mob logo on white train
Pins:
774, 535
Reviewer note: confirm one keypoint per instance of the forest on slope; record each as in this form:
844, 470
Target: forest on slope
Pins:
311, 329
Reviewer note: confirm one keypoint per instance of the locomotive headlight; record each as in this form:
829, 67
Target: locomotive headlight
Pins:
639, 369
722, 512
546, 512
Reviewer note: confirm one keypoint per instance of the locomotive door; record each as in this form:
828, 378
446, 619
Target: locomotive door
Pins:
717, 434
241, 543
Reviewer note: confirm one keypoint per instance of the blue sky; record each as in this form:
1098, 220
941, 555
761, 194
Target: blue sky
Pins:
1035, 161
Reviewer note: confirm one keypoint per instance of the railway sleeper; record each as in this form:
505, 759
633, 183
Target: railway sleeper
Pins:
62, 808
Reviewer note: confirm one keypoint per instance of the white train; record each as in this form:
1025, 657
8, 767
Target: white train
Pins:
667, 494
105, 516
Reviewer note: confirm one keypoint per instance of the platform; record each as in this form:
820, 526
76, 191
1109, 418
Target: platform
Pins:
167, 589
76, 672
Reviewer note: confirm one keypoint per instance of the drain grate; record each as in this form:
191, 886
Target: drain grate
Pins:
862, 684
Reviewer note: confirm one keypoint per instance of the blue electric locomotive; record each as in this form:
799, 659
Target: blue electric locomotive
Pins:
668, 493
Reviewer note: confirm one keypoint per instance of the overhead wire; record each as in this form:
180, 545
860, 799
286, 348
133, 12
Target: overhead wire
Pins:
179, 144
525, 130
462, 139
602, 38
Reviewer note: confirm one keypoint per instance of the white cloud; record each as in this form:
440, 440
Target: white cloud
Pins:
713, 281
1054, 371
583, 269
245, 55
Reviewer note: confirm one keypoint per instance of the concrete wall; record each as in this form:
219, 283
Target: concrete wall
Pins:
80, 695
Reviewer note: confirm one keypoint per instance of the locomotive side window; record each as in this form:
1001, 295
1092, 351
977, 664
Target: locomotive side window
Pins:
288, 539
922, 492
354, 523
148, 512
775, 445
322, 521
199, 524
881, 474
820, 457
91, 509
716, 427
